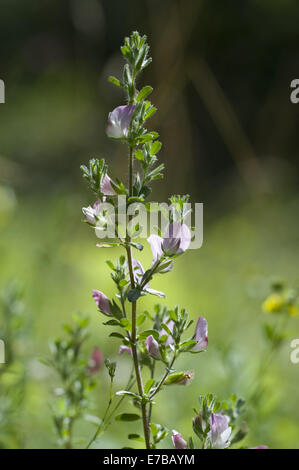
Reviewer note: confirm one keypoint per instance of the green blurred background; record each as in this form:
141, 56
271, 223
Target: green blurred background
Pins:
221, 74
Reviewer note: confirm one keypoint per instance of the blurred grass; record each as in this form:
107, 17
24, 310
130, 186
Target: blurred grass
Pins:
55, 62
44, 244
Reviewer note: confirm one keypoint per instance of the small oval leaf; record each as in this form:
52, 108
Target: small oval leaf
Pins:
127, 417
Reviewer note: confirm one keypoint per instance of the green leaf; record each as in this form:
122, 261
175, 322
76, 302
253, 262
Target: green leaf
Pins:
114, 80
92, 419
144, 93
154, 428
149, 385
155, 147
125, 323
135, 437
110, 264
129, 394
147, 333
139, 155
190, 443
150, 112
187, 345
141, 319
138, 246
112, 323
116, 335
166, 328
172, 315
127, 417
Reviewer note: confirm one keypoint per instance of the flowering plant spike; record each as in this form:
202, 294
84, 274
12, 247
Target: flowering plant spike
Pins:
153, 349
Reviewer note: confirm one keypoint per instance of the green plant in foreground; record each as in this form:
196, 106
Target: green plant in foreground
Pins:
14, 320
77, 374
154, 340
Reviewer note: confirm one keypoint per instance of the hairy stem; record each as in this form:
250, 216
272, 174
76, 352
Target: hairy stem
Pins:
167, 372
151, 404
96, 434
131, 164
139, 378
134, 315
106, 419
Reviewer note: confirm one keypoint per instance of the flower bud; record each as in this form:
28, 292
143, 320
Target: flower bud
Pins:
102, 302
123, 349
201, 335
95, 361
91, 213
156, 246
199, 425
106, 186
153, 347
220, 431
180, 378
178, 441
177, 240
119, 121
187, 378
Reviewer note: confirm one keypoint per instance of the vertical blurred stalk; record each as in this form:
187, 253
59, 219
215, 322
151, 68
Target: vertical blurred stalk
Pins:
228, 125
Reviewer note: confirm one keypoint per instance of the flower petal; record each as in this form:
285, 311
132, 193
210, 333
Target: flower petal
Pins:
102, 301
178, 441
201, 335
156, 246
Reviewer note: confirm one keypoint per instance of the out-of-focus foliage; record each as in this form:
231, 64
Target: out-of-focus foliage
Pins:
227, 280
13, 322
76, 373
221, 72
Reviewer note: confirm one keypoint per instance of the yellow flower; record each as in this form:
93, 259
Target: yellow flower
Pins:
273, 304
293, 310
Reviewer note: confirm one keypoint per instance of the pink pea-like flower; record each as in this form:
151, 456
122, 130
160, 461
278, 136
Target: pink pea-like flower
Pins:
201, 335
124, 349
220, 431
153, 347
119, 121
163, 332
102, 302
106, 186
155, 242
91, 213
177, 240
260, 447
95, 361
178, 441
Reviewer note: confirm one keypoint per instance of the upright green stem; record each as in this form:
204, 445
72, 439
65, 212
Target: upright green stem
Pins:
68, 444
267, 360
107, 418
131, 164
151, 403
167, 372
134, 315
96, 434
